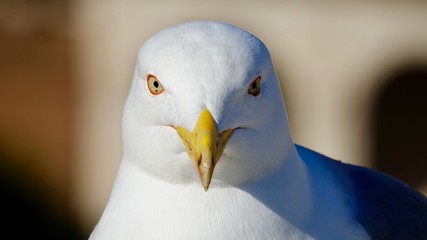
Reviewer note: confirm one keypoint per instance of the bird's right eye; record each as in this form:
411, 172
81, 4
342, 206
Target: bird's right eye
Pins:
154, 85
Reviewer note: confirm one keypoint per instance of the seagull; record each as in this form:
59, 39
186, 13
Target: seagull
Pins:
208, 154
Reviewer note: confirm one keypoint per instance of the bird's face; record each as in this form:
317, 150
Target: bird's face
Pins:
205, 104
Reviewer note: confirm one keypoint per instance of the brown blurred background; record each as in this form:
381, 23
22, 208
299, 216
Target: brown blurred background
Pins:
354, 77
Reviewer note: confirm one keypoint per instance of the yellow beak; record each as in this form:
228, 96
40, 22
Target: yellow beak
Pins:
204, 145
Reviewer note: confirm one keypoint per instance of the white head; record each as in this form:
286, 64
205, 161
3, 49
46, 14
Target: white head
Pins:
197, 66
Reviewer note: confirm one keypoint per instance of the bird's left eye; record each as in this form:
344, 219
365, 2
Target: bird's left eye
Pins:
255, 87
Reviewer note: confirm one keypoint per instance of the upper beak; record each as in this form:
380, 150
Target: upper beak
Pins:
204, 145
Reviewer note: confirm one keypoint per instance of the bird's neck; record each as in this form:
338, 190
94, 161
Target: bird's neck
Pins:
151, 204
287, 190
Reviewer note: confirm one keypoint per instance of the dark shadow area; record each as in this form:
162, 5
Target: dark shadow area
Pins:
27, 209
400, 125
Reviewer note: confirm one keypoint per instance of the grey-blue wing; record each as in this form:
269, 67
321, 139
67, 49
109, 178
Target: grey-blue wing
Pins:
386, 207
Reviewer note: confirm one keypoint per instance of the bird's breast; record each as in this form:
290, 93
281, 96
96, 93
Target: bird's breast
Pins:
142, 207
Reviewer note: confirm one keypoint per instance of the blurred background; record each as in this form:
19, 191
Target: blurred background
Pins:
354, 77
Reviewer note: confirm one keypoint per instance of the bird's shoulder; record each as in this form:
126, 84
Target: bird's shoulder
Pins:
386, 207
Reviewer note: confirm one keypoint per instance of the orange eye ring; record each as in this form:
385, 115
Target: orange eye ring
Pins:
154, 85
255, 87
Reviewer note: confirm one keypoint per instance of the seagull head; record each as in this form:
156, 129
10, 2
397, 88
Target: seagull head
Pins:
205, 106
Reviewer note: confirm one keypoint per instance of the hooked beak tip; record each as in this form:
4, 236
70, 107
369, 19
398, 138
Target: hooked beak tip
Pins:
204, 145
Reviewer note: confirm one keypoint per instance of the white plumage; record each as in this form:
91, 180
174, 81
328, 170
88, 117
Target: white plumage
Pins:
260, 188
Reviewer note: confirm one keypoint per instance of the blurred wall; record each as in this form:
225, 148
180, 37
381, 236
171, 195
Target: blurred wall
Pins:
36, 105
35, 88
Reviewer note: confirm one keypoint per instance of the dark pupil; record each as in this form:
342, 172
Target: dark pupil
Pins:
156, 84
254, 85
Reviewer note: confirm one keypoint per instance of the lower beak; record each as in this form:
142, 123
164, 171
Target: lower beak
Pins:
204, 145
